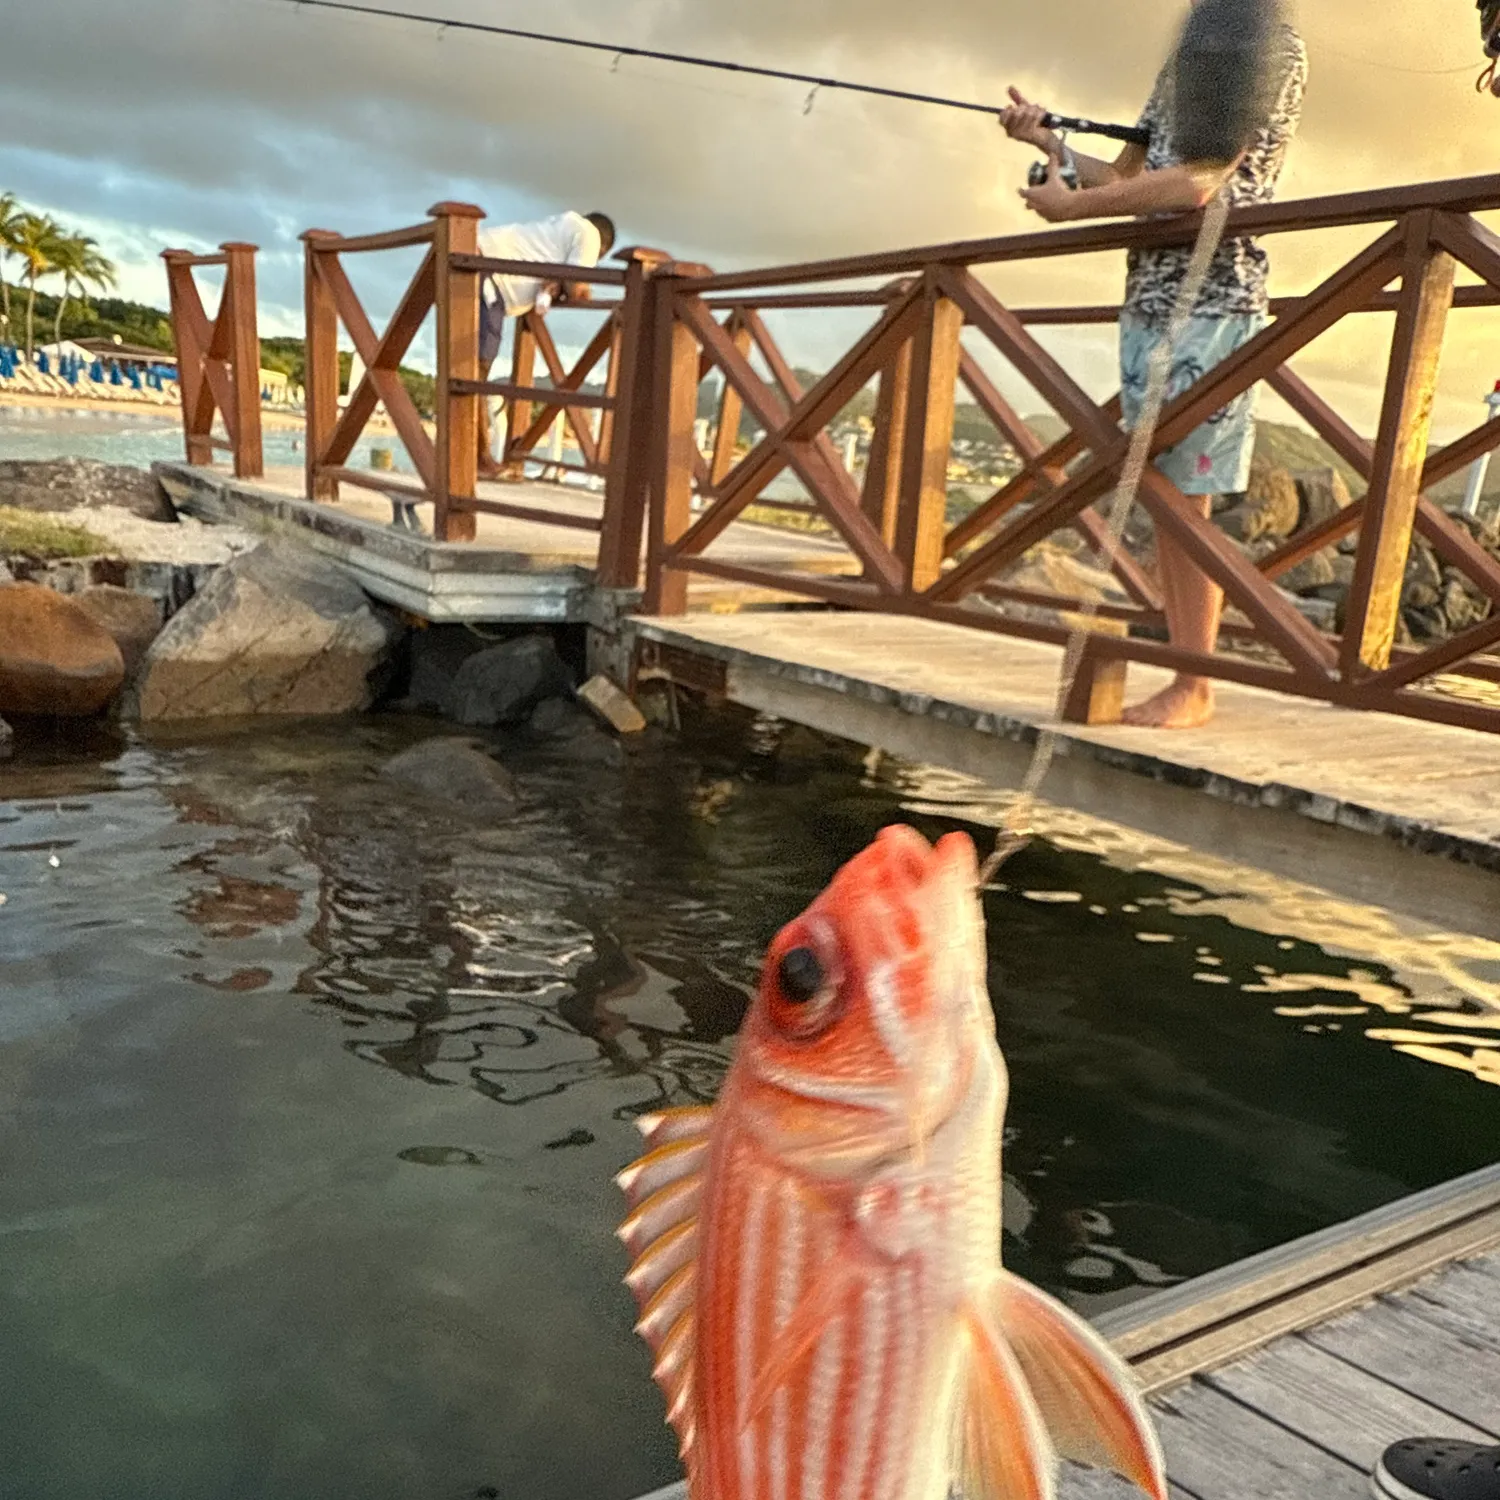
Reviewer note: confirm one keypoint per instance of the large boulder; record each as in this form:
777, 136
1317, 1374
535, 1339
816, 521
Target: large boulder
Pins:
1271, 506
134, 620
55, 659
453, 770
278, 631
502, 684
57, 484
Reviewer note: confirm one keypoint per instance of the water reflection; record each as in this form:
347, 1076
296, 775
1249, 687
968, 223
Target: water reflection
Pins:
260, 1016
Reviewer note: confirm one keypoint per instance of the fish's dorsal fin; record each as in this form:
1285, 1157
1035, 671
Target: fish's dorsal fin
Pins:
1083, 1389
663, 1189
1001, 1447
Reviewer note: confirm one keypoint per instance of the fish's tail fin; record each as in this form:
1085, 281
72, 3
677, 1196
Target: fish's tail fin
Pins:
1083, 1390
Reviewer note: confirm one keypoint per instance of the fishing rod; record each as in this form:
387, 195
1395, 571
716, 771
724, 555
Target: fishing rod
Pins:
1129, 133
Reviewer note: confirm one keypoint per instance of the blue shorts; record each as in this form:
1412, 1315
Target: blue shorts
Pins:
1215, 458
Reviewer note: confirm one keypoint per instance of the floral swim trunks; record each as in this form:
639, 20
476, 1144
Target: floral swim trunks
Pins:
1215, 458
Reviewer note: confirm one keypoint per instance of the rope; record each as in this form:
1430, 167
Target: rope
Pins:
1015, 832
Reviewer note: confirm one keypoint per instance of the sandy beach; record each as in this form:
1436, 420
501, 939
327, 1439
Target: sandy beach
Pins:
272, 418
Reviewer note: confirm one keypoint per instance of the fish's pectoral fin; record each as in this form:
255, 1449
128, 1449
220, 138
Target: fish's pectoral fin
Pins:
681, 1123
821, 1303
1001, 1447
1083, 1389
664, 1189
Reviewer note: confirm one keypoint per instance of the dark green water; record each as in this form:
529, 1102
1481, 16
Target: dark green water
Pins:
310, 1098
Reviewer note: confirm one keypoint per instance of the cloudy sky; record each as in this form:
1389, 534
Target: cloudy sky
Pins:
186, 122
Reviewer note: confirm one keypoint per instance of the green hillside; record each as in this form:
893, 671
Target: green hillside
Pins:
104, 317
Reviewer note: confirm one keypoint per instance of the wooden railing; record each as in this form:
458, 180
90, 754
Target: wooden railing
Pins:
906, 558
446, 460
672, 326
218, 363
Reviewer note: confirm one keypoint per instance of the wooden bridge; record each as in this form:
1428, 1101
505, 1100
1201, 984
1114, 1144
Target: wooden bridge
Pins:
915, 639
666, 327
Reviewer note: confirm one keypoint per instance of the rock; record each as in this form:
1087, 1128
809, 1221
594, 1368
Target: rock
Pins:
502, 684
435, 653
612, 704
453, 770
573, 731
1270, 508
561, 716
1311, 573
1322, 494
134, 620
59, 484
7, 740
54, 659
278, 631
1323, 613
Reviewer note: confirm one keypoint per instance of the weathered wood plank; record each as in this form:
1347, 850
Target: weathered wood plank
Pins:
1218, 1449
1466, 1300
1340, 1408
1074, 1482
1397, 1341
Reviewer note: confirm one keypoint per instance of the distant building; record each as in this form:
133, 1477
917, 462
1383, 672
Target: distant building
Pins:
121, 353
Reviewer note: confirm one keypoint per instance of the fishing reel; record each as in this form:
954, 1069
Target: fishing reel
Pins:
1067, 171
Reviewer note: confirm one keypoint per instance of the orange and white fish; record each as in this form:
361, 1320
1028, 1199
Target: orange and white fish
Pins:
817, 1256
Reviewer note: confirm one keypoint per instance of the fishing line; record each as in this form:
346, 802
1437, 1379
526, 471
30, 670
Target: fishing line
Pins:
1015, 831
1128, 133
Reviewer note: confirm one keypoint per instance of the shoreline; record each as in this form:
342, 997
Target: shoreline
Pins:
274, 419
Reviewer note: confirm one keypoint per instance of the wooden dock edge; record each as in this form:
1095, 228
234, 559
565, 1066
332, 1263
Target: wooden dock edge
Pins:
1187, 1330
1173, 1335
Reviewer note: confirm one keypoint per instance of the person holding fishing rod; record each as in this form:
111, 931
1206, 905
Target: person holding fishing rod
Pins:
1155, 179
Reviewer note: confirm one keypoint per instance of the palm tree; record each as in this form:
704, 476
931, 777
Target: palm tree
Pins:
79, 261
36, 241
10, 218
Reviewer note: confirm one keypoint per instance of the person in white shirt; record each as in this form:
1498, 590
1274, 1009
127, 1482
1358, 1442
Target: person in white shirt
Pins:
569, 239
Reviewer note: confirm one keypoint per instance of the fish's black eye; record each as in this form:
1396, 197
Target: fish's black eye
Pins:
800, 975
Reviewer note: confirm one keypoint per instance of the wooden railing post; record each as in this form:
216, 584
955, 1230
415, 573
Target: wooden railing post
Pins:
456, 232
522, 372
934, 360
731, 408
244, 359
612, 390
882, 484
1374, 603
321, 365
186, 309
677, 456
628, 479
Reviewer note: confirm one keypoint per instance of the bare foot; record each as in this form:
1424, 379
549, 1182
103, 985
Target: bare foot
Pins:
1185, 703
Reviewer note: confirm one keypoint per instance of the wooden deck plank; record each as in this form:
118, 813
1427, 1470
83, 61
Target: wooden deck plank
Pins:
1398, 1342
1257, 780
1219, 1449
1426, 772
1339, 1407
1465, 1300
